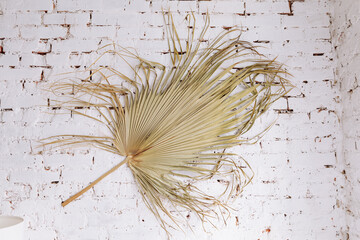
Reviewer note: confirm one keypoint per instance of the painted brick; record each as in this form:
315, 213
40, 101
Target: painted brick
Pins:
7, 31
344, 32
16, 46
28, 19
267, 7
75, 45
22, 5
222, 7
79, 5
121, 19
77, 18
93, 32
43, 32
8, 19
58, 18
306, 170
9, 60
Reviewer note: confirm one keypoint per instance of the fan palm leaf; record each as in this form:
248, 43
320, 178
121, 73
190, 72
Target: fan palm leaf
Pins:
173, 123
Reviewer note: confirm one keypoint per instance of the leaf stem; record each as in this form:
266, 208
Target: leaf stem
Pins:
75, 196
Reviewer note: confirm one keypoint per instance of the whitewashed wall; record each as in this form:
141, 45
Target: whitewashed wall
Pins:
346, 40
298, 190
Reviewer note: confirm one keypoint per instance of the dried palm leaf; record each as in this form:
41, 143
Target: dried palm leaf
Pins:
173, 123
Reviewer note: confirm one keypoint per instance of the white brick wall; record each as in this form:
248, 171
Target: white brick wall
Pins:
345, 34
299, 190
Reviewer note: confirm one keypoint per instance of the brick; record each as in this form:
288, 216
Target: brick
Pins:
31, 59
19, 45
94, 31
43, 5
28, 19
77, 18
43, 32
58, 18
250, 21
222, 7
121, 19
8, 31
8, 19
306, 21
79, 5
318, 33
267, 7
75, 45
9, 60
301, 7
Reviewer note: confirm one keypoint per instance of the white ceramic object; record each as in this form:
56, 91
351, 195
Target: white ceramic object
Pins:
11, 228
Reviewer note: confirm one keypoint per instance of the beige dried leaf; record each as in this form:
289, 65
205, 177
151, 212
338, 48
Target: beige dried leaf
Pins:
173, 123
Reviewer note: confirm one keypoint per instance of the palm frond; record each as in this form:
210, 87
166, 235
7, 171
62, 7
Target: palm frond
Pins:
173, 123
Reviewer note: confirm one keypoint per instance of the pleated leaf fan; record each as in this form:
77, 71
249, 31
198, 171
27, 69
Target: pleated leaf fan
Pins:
172, 124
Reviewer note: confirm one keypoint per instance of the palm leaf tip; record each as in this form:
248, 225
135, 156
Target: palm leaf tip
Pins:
174, 123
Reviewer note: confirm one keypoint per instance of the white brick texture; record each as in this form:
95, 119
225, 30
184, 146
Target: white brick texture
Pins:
306, 183
345, 32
